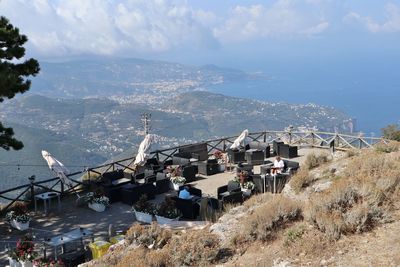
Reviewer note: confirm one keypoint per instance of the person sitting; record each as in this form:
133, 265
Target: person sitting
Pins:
278, 165
185, 194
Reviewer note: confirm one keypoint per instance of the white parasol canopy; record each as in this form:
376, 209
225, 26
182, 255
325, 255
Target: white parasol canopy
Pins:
61, 171
56, 166
143, 151
238, 141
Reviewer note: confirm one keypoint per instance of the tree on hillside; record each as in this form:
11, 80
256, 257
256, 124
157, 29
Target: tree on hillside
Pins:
391, 132
13, 74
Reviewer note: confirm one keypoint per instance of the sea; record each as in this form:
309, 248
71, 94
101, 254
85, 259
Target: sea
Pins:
372, 104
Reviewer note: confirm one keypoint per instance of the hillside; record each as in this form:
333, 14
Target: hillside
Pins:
122, 77
337, 211
88, 131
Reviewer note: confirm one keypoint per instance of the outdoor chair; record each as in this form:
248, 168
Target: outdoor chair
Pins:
131, 193
266, 167
258, 183
162, 183
189, 172
254, 156
192, 190
291, 167
286, 151
236, 156
245, 167
233, 198
111, 182
275, 147
262, 146
189, 208
228, 189
196, 151
209, 167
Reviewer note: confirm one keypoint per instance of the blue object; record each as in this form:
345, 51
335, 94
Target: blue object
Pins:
184, 194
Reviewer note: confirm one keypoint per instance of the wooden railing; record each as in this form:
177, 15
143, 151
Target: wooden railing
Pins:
302, 139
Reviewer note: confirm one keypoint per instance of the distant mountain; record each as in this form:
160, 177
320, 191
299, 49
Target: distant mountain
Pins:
85, 112
108, 77
86, 132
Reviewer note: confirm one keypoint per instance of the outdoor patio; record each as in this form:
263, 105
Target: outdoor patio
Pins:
119, 215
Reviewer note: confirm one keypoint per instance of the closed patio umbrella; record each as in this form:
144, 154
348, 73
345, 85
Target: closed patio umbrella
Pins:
61, 172
238, 141
144, 149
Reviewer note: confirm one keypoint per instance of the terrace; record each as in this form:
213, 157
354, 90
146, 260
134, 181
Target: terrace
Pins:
119, 214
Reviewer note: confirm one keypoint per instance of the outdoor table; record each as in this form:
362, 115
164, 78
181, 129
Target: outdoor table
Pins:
61, 240
46, 197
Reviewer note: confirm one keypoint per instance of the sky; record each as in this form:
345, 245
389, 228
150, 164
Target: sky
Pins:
342, 53
227, 32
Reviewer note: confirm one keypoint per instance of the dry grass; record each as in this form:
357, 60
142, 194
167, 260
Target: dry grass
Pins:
360, 200
195, 248
266, 219
388, 148
259, 199
152, 235
313, 160
155, 247
301, 179
142, 257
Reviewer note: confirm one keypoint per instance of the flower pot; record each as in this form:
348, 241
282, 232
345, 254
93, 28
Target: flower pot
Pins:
246, 192
13, 263
143, 217
176, 186
221, 167
26, 263
97, 207
20, 225
164, 220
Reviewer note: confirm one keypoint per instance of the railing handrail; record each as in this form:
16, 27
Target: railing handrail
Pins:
318, 134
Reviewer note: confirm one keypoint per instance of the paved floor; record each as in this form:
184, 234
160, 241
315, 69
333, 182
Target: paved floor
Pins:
119, 215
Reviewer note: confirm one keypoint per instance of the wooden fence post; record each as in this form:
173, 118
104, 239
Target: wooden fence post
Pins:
32, 186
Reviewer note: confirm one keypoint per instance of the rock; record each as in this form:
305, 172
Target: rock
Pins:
323, 262
281, 263
322, 186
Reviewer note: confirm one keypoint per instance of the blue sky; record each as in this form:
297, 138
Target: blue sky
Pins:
203, 32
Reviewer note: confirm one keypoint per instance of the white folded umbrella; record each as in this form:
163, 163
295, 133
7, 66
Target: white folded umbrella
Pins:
238, 141
60, 171
144, 149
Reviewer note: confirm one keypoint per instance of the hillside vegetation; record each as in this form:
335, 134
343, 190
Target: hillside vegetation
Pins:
88, 131
347, 215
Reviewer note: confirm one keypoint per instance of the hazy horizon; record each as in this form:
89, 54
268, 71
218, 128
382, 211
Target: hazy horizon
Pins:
347, 50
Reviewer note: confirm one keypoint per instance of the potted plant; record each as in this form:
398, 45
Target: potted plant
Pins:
18, 217
177, 181
97, 201
144, 210
24, 253
167, 212
48, 263
247, 187
220, 157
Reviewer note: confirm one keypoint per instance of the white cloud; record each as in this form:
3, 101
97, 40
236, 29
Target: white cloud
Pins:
391, 24
126, 27
283, 18
108, 27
